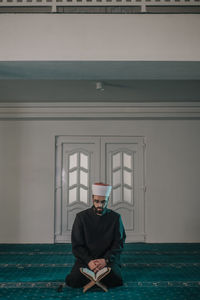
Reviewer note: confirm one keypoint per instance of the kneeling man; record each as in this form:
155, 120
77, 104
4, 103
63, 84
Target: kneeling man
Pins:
98, 237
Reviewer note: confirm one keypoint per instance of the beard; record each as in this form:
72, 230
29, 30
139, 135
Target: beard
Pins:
98, 210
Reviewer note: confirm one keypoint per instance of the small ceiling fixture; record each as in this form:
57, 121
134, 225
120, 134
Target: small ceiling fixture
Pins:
99, 86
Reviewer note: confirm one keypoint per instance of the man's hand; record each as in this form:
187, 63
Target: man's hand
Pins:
97, 264
92, 265
100, 264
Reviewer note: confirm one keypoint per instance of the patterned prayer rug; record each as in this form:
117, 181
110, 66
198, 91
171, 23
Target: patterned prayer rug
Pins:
150, 271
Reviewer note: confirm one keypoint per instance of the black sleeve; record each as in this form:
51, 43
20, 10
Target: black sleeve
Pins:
113, 254
78, 245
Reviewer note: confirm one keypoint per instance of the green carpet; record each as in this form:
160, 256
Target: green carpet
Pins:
150, 271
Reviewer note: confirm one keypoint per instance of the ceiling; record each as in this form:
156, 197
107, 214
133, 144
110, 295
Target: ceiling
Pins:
122, 81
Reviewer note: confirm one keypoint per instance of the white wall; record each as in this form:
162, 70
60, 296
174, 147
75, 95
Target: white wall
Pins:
27, 158
100, 37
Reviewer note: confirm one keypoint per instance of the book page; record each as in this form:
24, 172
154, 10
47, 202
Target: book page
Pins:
100, 272
89, 272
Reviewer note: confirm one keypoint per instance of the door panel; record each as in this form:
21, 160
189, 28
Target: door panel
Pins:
122, 167
78, 167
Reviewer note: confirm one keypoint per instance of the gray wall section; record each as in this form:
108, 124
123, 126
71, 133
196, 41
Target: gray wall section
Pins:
64, 37
27, 170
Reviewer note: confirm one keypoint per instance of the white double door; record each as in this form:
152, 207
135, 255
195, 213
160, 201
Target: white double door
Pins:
83, 160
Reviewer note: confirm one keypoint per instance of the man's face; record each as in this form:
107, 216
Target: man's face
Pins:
100, 203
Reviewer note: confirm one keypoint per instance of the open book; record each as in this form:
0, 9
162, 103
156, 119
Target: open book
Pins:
95, 276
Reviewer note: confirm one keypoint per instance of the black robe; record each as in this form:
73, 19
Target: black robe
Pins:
94, 236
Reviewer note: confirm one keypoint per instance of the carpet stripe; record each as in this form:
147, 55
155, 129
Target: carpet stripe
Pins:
123, 254
123, 265
54, 284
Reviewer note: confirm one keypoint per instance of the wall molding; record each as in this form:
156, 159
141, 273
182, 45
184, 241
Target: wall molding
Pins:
53, 6
100, 110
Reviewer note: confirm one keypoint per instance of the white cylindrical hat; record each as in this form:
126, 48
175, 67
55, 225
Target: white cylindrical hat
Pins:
101, 189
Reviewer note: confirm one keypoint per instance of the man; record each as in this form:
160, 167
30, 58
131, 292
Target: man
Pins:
97, 237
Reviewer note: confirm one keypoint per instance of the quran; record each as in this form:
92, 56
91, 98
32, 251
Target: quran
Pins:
95, 277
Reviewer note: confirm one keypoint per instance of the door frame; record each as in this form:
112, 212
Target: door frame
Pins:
138, 237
